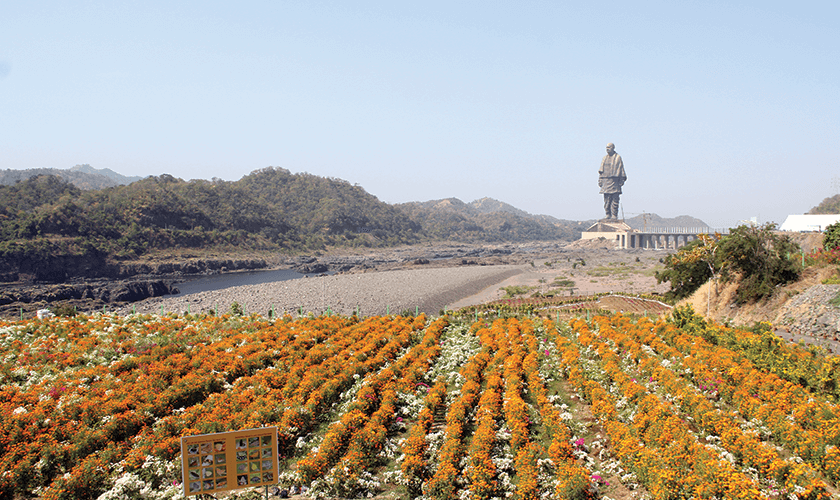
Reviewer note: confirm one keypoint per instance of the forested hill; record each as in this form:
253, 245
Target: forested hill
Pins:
487, 220
52, 229
81, 176
830, 205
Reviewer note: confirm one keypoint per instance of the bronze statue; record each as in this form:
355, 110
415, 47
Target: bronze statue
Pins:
611, 177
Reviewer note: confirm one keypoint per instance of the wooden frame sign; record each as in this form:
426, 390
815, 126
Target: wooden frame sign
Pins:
213, 463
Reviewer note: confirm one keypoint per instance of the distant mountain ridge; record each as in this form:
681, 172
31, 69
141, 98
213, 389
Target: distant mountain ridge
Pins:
488, 220
641, 222
83, 176
107, 172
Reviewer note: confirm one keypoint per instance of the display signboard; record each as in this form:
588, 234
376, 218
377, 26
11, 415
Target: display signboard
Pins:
213, 463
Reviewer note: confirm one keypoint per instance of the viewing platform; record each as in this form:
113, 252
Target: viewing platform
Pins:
655, 238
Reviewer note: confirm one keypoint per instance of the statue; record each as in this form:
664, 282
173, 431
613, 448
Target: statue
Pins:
611, 177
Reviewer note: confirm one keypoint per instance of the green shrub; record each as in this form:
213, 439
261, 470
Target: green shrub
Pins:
831, 237
762, 258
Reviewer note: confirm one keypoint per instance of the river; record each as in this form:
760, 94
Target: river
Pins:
227, 280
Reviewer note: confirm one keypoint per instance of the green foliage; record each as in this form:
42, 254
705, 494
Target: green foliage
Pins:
685, 275
65, 310
758, 256
762, 258
831, 237
236, 309
685, 318
515, 290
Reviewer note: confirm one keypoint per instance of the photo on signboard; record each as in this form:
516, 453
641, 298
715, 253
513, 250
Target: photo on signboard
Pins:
241, 444
194, 474
242, 468
195, 486
266, 464
255, 466
266, 452
219, 446
221, 470
192, 461
208, 485
255, 479
221, 483
205, 448
207, 460
253, 441
268, 477
208, 472
192, 449
241, 455
220, 458
254, 454
266, 440
242, 480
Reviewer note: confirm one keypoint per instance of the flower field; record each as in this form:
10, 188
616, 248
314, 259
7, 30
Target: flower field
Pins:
414, 407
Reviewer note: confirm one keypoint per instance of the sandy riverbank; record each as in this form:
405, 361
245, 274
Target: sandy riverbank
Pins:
426, 290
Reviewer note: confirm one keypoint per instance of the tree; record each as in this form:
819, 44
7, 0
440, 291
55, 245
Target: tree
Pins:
706, 252
757, 256
690, 267
831, 237
761, 258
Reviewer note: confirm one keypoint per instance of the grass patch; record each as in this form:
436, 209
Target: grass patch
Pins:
515, 291
562, 282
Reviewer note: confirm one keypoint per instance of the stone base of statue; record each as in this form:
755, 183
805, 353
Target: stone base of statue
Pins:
609, 229
610, 226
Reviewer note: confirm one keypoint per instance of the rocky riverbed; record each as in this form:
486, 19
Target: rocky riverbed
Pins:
414, 290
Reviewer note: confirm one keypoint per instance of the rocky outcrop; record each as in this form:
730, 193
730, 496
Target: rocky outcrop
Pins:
813, 313
62, 269
104, 292
193, 267
25, 300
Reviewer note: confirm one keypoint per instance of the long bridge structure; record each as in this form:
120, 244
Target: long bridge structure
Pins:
649, 238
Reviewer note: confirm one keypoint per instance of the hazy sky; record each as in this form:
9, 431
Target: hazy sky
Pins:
720, 110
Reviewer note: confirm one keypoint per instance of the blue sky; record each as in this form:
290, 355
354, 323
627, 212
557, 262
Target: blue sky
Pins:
720, 110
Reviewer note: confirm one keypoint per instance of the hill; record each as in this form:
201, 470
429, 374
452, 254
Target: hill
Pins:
82, 176
486, 220
50, 229
830, 205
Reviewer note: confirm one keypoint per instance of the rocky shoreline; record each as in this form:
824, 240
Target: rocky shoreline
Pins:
131, 282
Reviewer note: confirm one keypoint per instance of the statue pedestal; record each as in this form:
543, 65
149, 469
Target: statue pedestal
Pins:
609, 229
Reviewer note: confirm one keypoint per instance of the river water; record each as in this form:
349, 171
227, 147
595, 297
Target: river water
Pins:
227, 280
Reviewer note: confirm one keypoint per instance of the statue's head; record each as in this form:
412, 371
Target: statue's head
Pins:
610, 148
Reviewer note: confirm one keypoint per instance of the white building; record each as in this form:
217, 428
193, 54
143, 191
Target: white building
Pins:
809, 222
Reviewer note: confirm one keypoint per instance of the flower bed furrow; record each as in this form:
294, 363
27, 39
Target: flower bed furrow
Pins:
745, 446
655, 443
109, 415
352, 446
802, 422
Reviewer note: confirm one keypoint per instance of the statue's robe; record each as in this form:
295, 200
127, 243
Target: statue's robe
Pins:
611, 175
